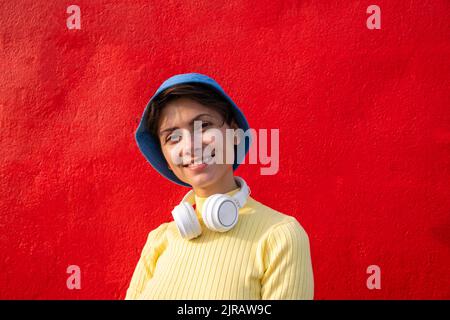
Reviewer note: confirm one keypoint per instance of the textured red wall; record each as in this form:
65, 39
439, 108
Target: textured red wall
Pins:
364, 120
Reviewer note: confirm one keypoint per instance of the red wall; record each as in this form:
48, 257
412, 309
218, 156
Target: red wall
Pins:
364, 120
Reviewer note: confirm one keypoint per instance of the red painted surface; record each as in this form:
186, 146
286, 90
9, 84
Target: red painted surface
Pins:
364, 119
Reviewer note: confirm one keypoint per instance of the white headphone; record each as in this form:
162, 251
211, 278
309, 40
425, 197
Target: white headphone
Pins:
220, 211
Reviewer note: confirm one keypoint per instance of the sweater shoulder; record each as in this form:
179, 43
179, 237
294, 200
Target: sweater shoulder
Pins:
274, 219
157, 237
159, 231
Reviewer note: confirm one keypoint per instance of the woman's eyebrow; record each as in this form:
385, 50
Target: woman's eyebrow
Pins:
190, 122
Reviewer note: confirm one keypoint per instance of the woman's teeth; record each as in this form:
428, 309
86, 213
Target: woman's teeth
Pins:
206, 160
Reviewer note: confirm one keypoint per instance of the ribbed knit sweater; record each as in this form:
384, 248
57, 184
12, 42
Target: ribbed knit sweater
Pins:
265, 256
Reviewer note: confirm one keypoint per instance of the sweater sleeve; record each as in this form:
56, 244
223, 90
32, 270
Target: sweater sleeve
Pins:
143, 272
288, 271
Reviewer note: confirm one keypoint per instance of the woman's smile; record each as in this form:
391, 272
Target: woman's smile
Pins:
196, 165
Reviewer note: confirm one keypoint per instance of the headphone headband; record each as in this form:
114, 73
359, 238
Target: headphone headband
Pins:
189, 197
242, 195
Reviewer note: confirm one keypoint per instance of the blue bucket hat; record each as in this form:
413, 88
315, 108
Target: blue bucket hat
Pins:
149, 144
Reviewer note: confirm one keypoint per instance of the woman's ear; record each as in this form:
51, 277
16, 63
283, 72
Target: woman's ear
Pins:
236, 137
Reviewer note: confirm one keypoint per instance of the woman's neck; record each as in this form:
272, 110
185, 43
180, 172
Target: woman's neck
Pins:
224, 185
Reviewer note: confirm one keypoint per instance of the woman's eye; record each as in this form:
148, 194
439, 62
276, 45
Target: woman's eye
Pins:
205, 124
173, 138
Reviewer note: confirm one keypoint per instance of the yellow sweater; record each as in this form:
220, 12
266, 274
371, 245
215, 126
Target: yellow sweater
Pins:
265, 256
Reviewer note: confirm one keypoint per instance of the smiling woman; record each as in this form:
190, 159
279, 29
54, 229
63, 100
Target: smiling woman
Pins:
222, 244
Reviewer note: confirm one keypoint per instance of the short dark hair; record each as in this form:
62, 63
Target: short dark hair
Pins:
202, 93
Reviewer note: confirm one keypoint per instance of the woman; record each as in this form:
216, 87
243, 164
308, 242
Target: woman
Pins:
222, 244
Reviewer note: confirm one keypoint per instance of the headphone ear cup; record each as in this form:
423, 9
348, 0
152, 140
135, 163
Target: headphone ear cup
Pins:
220, 213
186, 221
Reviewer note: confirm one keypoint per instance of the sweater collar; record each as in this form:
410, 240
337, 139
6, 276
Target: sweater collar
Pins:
199, 201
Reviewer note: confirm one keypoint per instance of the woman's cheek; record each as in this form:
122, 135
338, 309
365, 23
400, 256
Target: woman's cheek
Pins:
212, 141
222, 145
173, 153
209, 136
229, 152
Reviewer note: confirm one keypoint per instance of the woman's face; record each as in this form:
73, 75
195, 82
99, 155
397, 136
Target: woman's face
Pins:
176, 136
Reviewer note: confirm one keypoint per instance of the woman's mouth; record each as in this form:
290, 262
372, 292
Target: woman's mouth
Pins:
196, 165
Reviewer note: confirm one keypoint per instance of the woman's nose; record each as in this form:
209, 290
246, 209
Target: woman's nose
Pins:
192, 146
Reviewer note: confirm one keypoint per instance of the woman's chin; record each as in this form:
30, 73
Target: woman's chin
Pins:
200, 178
